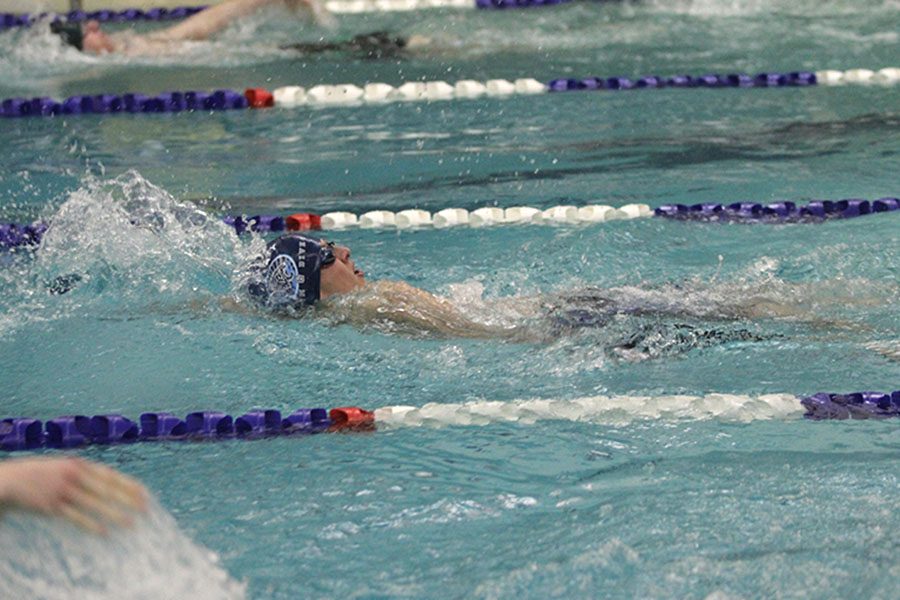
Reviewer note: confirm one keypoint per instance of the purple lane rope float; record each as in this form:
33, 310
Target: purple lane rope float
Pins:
74, 431
10, 20
429, 91
168, 102
13, 235
128, 15
369, 6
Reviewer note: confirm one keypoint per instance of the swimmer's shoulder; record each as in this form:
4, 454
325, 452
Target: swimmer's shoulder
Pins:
130, 43
383, 293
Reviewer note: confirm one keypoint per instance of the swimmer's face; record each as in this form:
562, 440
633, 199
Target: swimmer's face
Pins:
95, 40
341, 276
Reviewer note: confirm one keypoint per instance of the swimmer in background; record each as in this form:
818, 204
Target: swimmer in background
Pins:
88, 494
90, 37
298, 272
374, 45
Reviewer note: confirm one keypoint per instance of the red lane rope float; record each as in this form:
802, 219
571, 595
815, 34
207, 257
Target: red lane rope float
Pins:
351, 417
259, 98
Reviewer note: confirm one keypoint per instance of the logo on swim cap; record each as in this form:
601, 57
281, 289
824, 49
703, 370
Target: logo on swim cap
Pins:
283, 280
290, 275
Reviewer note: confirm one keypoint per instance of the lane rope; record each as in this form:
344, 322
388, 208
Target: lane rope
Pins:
128, 15
13, 235
74, 431
11, 20
430, 91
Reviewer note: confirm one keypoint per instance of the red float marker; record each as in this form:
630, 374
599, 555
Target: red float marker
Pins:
351, 417
303, 222
259, 98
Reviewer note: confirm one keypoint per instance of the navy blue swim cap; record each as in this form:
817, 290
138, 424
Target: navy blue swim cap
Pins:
71, 33
289, 273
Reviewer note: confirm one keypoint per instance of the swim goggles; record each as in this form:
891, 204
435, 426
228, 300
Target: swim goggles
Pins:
327, 253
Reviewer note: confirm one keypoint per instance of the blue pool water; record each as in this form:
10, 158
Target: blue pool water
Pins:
619, 503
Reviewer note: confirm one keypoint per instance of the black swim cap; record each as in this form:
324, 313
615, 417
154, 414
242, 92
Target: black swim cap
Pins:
289, 273
70, 33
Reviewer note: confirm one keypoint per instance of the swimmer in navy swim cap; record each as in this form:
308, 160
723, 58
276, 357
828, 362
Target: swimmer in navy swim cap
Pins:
297, 271
91, 38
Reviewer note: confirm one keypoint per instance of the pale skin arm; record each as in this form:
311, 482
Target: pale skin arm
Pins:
216, 18
412, 310
88, 494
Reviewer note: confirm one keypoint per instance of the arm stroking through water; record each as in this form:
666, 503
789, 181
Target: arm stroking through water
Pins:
216, 18
410, 310
85, 493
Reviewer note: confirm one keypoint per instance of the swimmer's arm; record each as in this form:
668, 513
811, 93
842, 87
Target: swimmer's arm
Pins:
214, 19
406, 306
88, 494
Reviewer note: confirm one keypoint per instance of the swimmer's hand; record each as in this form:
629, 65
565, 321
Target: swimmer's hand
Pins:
316, 8
88, 494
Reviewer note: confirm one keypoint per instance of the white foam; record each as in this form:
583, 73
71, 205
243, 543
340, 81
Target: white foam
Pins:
595, 409
50, 559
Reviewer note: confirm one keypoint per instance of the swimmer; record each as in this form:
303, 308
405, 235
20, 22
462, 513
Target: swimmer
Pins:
297, 272
91, 38
88, 494
374, 45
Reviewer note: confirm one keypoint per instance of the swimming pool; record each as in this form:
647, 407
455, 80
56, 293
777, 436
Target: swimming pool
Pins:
619, 505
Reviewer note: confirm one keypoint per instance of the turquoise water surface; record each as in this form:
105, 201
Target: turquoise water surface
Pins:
618, 504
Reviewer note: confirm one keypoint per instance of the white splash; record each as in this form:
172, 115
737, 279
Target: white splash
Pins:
50, 559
